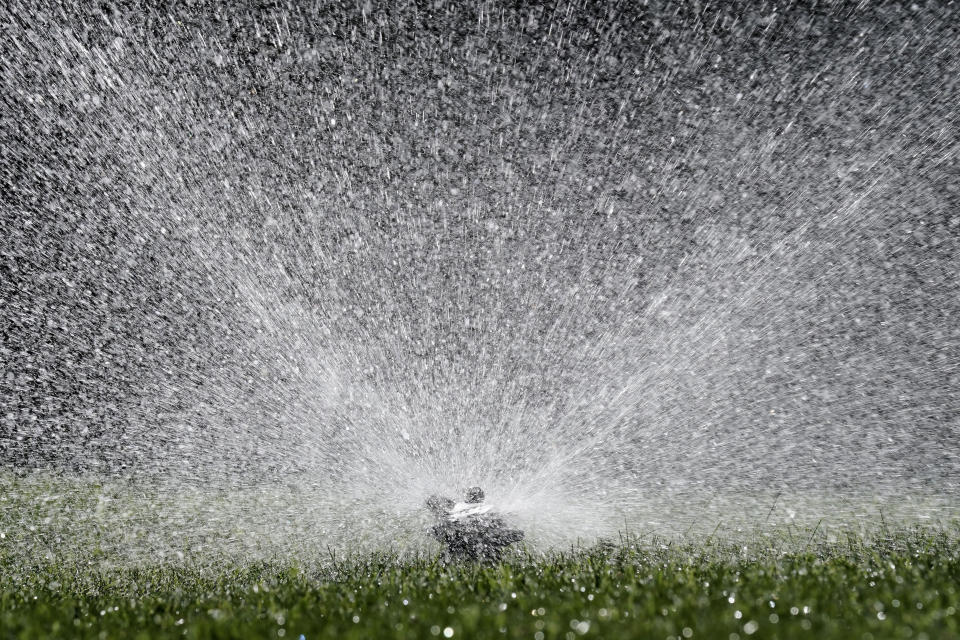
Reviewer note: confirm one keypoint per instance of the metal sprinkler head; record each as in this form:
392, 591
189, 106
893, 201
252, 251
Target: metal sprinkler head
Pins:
439, 506
474, 495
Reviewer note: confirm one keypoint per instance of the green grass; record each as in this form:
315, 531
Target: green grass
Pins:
899, 584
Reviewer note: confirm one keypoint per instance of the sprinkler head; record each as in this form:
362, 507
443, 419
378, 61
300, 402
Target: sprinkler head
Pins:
474, 495
439, 506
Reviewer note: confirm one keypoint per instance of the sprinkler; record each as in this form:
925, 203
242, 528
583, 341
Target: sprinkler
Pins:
470, 530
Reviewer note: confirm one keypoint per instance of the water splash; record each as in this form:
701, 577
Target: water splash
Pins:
281, 275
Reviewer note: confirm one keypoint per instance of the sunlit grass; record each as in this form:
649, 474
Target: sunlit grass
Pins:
899, 584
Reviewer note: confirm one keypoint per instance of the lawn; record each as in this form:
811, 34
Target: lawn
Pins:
902, 583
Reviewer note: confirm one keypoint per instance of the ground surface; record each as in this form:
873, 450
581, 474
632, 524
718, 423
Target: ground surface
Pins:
901, 584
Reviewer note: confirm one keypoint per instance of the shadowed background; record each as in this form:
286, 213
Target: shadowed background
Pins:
598, 257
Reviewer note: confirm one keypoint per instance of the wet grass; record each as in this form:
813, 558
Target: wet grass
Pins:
898, 584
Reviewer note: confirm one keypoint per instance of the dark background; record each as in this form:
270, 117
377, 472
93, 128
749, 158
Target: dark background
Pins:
711, 234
